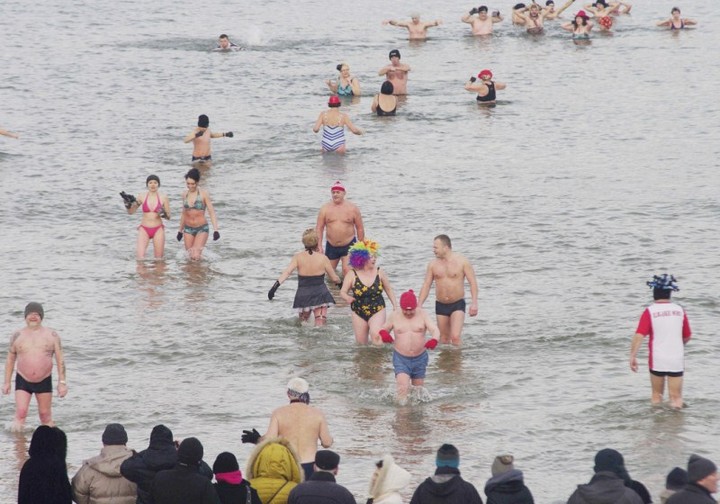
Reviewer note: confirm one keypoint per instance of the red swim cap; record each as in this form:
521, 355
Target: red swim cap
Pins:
337, 186
485, 72
334, 100
408, 301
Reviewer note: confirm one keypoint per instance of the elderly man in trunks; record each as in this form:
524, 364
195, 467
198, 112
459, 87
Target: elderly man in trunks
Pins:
32, 348
449, 271
344, 225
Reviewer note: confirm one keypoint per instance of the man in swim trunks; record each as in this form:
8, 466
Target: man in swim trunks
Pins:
396, 73
480, 22
416, 29
667, 325
449, 270
32, 348
533, 18
344, 225
410, 357
200, 137
298, 422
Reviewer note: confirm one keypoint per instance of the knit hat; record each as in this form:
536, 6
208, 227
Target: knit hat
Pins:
225, 463
408, 301
203, 121
447, 456
190, 451
676, 479
394, 52
34, 308
338, 186
114, 435
327, 460
610, 460
502, 464
699, 468
297, 388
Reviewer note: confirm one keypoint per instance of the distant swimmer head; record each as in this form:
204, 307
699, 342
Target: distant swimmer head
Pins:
342, 66
483, 8
338, 186
663, 285
519, 6
34, 307
549, 3
394, 54
674, 10
415, 16
334, 101
152, 177
387, 88
224, 41
310, 239
485, 74
298, 388
362, 252
193, 174
203, 121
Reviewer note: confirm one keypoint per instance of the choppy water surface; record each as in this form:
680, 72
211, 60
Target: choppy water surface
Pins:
597, 168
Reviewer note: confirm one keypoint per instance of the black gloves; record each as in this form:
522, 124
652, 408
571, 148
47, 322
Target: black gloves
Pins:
339, 285
271, 294
129, 199
179, 236
250, 436
473, 11
229, 134
473, 79
216, 235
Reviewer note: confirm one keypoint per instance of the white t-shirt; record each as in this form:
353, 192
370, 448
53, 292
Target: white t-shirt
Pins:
667, 325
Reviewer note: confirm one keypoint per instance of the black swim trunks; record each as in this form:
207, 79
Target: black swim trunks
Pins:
337, 252
42, 387
674, 374
446, 309
201, 158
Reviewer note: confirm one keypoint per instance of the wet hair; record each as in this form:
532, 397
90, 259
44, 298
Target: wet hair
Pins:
387, 88
444, 239
223, 36
194, 174
675, 9
310, 239
152, 177
483, 8
519, 6
203, 121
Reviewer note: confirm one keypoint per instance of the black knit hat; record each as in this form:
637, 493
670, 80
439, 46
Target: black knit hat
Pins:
676, 479
34, 307
190, 451
225, 463
699, 468
327, 460
114, 435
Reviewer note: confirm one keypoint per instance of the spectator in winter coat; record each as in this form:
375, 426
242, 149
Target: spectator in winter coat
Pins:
44, 477
506, 485
387, 481
446, 486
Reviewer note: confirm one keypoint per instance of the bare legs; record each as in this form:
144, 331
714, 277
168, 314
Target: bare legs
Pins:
674, 390
451, 327
195, 244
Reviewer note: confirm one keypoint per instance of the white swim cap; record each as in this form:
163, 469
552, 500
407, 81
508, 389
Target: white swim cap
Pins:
298, 385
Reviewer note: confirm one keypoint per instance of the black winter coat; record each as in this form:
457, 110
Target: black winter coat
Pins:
508, 488
236, 494
440, 490
691, 494
321, 488
44, 477
183, 484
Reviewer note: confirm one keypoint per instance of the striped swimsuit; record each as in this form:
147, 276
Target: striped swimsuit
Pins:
333, 137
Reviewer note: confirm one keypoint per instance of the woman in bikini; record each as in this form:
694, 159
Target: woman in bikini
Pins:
346, 84
193, 224
366, 283
312, 294
155, 207
333, 124
676, 22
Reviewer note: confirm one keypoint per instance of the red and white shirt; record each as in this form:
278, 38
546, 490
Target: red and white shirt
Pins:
667, 325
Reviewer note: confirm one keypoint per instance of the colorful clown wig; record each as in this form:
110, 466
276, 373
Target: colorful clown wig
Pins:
361, 252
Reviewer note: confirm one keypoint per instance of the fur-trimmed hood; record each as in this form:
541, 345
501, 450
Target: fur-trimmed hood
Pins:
390, 478
274, 458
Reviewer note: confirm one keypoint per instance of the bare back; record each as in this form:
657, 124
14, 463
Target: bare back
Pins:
311, 264
35, 348
201, 144
302, 426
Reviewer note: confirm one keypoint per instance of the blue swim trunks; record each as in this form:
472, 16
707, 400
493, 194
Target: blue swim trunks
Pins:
412, 366
337, 252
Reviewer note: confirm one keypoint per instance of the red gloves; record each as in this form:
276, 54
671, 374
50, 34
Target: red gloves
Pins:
386, 336
431, 344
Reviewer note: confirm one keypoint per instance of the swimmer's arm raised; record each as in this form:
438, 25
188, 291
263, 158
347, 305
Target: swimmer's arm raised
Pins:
8, 134
500, 85
217, 135
562, 9
332, 86
136, 204
427, 283
665, 23
467, 18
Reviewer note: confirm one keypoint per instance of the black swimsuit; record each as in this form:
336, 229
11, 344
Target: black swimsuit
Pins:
491, 93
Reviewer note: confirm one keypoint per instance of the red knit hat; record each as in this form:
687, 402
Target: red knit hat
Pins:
337, 186
408, 301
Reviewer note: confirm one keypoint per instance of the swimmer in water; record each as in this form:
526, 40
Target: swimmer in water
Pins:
517, 18
417, 30
224, 44
616, 8
155, 207
485, 88
333, 124
200, 137
551, 13
385, 103
533, 18
480, 22
580, 26
9, 133
193, 224
396, 73
676, 22
346, 84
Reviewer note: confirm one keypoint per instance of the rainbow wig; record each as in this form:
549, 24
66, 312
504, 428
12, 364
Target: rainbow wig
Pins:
361, 252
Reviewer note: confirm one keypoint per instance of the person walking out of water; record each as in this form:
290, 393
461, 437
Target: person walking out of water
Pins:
346, 84
312, 294
417, 30
32, 348
299, 423
385, 103
667, 325
410, 356
333, 124
396, 73
194, 227
486, 88
200, 137
676, 22
155, 207
366, 283
342, 224
449, 270
479, 20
